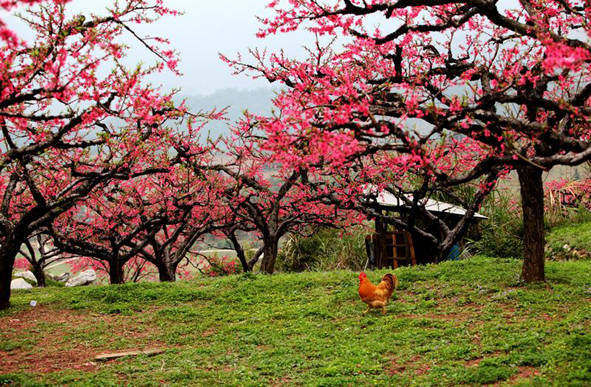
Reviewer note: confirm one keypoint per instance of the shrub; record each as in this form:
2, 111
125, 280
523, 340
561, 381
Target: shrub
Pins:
567, 202
214, 266
21, 263
324, 249
502, 234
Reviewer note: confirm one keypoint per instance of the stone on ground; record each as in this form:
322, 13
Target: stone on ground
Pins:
20, 283
27, 275
86, 277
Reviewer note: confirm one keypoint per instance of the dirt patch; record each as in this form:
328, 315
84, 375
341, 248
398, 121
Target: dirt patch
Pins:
285, 381
477, 340
414, 366
208, 333
454, 317
475, 362
524, 373
42, 339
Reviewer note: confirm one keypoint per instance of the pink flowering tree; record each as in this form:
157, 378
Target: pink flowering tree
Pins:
154, 217
72, 116
509, 81
267, 198
109, 225
188, 210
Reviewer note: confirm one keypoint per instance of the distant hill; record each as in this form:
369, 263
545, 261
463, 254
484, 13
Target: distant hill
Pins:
256, 101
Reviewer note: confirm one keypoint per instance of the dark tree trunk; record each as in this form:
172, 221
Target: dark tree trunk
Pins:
167, 272
39, 275
532, 204
243, 262
241, 254
8, 254
270, 256
116, 274
239, 251
242, 258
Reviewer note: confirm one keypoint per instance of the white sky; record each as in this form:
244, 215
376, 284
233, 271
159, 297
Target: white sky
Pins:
207, 28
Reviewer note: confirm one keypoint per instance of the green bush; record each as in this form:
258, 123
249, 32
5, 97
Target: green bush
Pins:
501, 235
325, 249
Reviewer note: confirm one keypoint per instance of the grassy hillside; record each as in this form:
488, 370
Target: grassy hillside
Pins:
570, 241
458, 323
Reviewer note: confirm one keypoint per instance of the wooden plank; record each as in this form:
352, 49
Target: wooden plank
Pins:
117, 355
412, 249
394, 250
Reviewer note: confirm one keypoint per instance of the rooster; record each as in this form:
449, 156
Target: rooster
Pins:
377, 296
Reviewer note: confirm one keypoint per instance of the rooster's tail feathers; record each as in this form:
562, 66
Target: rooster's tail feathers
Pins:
391, 279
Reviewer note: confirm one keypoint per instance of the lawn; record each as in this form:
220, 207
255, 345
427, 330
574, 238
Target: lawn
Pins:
458, 323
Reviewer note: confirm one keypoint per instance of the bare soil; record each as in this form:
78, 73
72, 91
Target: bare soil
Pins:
45, 353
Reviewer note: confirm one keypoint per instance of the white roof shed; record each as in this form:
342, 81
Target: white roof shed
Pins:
386, 199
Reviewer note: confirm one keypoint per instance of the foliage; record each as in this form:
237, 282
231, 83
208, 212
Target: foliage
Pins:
216, 266
22, 263
324, 249
155, 218
501, 235
457, 323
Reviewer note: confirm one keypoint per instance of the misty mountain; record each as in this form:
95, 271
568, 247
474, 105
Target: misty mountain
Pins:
256, 101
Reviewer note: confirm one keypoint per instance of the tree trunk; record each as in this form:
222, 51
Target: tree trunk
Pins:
167, 272
532, 204
8, 254
39, 275
242, 258
116, 274
270, 256
239, 251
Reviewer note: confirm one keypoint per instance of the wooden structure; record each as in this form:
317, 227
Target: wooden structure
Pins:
391, 249
394, 248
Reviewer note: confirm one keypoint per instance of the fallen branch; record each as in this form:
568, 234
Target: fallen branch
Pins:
117, 355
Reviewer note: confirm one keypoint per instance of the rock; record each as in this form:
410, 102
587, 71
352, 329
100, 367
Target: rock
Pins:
84, 278
64, 277
20, 283
27, 275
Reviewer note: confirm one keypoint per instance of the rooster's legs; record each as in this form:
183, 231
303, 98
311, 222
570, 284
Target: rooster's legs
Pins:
366, 311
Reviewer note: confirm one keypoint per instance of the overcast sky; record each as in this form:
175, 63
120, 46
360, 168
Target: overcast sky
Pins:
207, 28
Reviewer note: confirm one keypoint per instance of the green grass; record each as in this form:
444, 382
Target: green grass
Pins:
457, 323
576, 238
